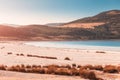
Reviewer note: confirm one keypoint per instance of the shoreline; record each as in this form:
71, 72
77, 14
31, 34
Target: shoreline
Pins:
45, 44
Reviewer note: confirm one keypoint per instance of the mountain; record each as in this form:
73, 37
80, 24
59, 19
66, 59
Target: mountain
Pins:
105, 25
97, 20
54, 24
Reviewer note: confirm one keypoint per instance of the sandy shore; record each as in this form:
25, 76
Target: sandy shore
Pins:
78, 56
7, 75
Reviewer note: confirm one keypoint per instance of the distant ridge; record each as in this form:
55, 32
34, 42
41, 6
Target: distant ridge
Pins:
97, 20
54, 24
105, 25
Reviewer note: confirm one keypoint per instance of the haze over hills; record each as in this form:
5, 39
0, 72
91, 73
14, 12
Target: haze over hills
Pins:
105, 25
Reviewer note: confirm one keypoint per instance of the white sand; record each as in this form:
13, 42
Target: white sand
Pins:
6, 75
77, 56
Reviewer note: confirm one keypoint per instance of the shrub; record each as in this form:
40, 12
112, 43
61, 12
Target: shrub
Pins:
34, 66
67, 58
29, 55
28, 66
74, 65
63, 71
50, 57
39, 66
66, 66
74, 72
14, 68
110, 69
88, 74
22, 65
36, 70
3, 67
45, 66
79, 66
88, 67
42, 70
100, 52
21, 54
51, 69
98, 67
22, 69
17, 54
9, 53
118, 68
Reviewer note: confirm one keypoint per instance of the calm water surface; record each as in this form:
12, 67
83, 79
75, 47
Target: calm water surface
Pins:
107, 44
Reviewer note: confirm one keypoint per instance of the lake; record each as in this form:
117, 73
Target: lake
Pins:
106, 44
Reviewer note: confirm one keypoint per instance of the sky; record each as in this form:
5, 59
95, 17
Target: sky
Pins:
24, 12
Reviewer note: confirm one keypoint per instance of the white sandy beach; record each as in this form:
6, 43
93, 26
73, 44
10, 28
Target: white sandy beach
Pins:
6, 75
78, 56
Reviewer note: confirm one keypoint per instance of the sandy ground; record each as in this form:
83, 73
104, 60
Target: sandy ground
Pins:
78, 56
7, 75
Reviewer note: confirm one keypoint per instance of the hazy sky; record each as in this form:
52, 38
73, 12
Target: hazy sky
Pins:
51, 11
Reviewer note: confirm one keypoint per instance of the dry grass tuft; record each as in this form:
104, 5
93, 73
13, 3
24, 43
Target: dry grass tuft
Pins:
110, 69
37, 56
28, 66
21, 54
74, 65
63, 71
98, 67
52, 69
88, 74
3, 67
79, 66
118, 68
9, 53
74, 72
88, 67
66, 66
100, 52
67, 58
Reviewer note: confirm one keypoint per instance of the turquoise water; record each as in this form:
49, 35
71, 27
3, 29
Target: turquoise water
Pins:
107, 44
91, 43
